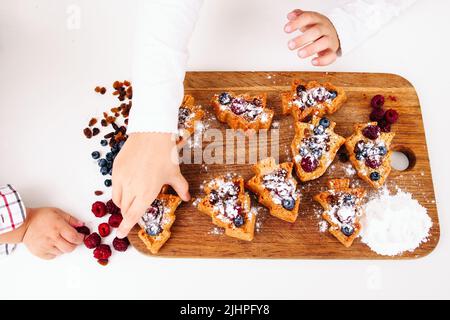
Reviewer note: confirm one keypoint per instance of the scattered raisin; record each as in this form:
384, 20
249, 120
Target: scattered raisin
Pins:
95, 131
88, 133
104, 123
109, 135
97, 89
103, 90
98, 193
126, 83
92, 122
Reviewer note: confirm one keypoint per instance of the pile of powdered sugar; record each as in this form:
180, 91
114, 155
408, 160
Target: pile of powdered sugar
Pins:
393, 224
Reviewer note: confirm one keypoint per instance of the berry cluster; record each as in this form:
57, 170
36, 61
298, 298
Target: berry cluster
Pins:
314, 146
93, 240
384, 118
250, 110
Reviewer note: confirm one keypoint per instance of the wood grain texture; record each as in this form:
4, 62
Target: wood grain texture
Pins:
192, 234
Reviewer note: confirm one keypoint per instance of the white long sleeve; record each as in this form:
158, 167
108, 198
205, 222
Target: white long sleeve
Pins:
357, 20
163, 30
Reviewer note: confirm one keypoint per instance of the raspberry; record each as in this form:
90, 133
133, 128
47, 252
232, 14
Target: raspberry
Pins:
371, 132
103, 262
121, 244
373, 163
99, 209
104, 229
309, 164
92, 241
102, 252
83, 230
377, 114
112, 208
384, 125
391, 116
377, 102
115, 220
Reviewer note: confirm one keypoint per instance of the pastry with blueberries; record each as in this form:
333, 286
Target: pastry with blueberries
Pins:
188, 115
314, 147
242, 111
369, 150
276, 188
228, 205
158, 219
312, 98
342, 209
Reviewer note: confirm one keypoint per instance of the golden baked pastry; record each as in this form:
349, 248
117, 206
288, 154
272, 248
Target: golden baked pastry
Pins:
188, 115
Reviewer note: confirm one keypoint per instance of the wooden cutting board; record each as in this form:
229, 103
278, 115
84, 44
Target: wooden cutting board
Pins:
193, 234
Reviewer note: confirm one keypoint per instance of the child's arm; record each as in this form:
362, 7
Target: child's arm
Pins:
47, 232
147, 162
342, 30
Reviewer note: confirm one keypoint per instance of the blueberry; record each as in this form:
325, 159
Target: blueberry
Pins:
104, 170
288, 203
319, 130
110, 172
300, 89
347, 230
359, 156
109, 156
382, 150
332, 94
102, 163
375, 176
95, 155
109, 164
238, 221
121, 143
115, 148
324, 122
108, 183
154, 230
224, 98
104, 143
349, 199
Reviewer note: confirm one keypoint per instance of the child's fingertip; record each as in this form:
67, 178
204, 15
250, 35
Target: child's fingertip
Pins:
287, 28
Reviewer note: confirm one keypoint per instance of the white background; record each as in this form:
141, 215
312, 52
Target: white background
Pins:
48, 69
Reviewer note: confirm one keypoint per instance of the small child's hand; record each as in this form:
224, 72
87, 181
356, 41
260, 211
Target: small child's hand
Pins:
146, 162
318, 36
51, 232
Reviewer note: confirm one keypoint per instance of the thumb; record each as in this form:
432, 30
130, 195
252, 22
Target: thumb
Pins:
181, 187
74, 222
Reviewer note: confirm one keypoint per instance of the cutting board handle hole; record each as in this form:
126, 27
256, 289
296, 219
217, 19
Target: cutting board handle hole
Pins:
403, 158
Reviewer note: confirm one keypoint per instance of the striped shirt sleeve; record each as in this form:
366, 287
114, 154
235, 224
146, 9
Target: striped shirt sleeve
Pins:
12, 214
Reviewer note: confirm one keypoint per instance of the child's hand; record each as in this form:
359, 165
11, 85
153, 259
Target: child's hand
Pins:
318, 36
146, 162
51, 232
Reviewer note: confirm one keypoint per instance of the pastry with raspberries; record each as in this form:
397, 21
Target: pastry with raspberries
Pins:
156, 222
369, 150
228, 205
188, 115
314, 147
312, 98
342, 209
276, 188
243, 111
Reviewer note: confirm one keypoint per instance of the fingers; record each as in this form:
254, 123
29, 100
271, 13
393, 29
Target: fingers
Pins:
303, 20
74, 222
181, 187
64, 246
309, 36
134, 213
127, 200
325, 58
71, 235
117, 194
52, 252
294, 14
317, 46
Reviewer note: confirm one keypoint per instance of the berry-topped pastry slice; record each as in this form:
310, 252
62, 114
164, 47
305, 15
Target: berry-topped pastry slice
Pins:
369, 152
342, 209
242, 111
188, 115
312, 98
229, 207
314, 147
158, 219
276, 188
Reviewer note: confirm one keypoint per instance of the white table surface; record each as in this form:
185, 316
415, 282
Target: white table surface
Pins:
48, 69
